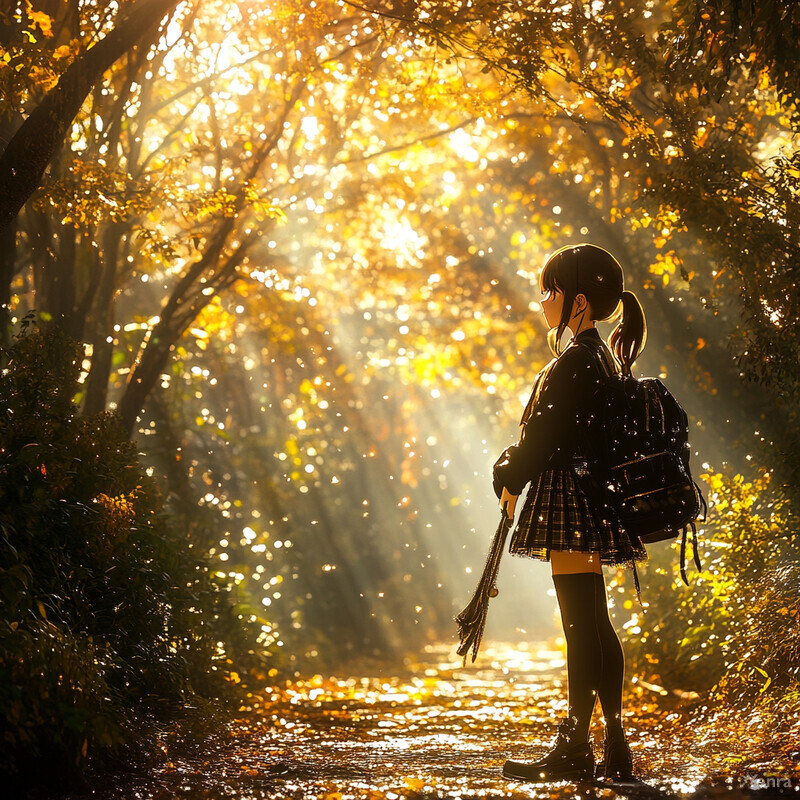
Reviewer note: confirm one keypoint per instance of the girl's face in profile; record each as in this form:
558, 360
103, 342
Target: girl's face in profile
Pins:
552, 303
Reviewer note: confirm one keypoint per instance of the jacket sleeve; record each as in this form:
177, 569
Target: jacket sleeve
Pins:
553, 424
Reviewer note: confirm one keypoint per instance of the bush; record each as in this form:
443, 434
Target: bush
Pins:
731, 636
758, 697
108, 614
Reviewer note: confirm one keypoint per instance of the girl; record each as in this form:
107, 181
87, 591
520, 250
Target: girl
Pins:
562, 520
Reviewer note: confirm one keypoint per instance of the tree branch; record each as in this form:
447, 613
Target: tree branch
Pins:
30, 150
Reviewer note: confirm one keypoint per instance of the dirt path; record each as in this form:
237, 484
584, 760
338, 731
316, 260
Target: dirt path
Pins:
437, 731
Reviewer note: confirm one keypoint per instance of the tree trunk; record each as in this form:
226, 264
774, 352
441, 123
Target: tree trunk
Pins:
8, 258
179, 312
30, 150
102, 349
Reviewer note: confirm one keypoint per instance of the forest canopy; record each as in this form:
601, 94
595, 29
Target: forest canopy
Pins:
300, 243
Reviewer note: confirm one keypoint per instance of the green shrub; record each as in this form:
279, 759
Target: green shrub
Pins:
732, 636
108, 614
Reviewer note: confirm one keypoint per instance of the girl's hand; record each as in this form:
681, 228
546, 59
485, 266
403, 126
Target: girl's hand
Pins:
511, 499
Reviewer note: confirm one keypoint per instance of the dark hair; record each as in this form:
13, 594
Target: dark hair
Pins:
593, 272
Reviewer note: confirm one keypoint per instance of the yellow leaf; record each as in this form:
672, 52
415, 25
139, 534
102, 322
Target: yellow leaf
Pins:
42, 20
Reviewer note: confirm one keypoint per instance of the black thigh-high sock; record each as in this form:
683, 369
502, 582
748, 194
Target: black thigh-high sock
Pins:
613, 672
577, 600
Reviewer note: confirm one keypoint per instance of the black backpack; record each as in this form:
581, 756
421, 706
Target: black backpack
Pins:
638, 450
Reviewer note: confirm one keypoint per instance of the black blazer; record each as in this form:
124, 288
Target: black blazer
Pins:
553, 422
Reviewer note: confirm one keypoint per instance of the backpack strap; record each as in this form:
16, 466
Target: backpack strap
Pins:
694, 548
694, 538
702, 499
683, 555
638, 589
602, 358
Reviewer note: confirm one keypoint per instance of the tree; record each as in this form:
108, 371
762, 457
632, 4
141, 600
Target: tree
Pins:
702, 137
32, 147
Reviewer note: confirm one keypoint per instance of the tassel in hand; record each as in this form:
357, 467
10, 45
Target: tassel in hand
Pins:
472, 620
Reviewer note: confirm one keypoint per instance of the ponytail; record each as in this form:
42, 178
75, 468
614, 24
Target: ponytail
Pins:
629, 337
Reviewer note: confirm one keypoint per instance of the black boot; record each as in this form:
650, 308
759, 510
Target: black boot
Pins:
568, 760
617, 763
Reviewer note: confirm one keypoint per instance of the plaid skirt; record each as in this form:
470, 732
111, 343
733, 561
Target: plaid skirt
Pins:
558, 514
